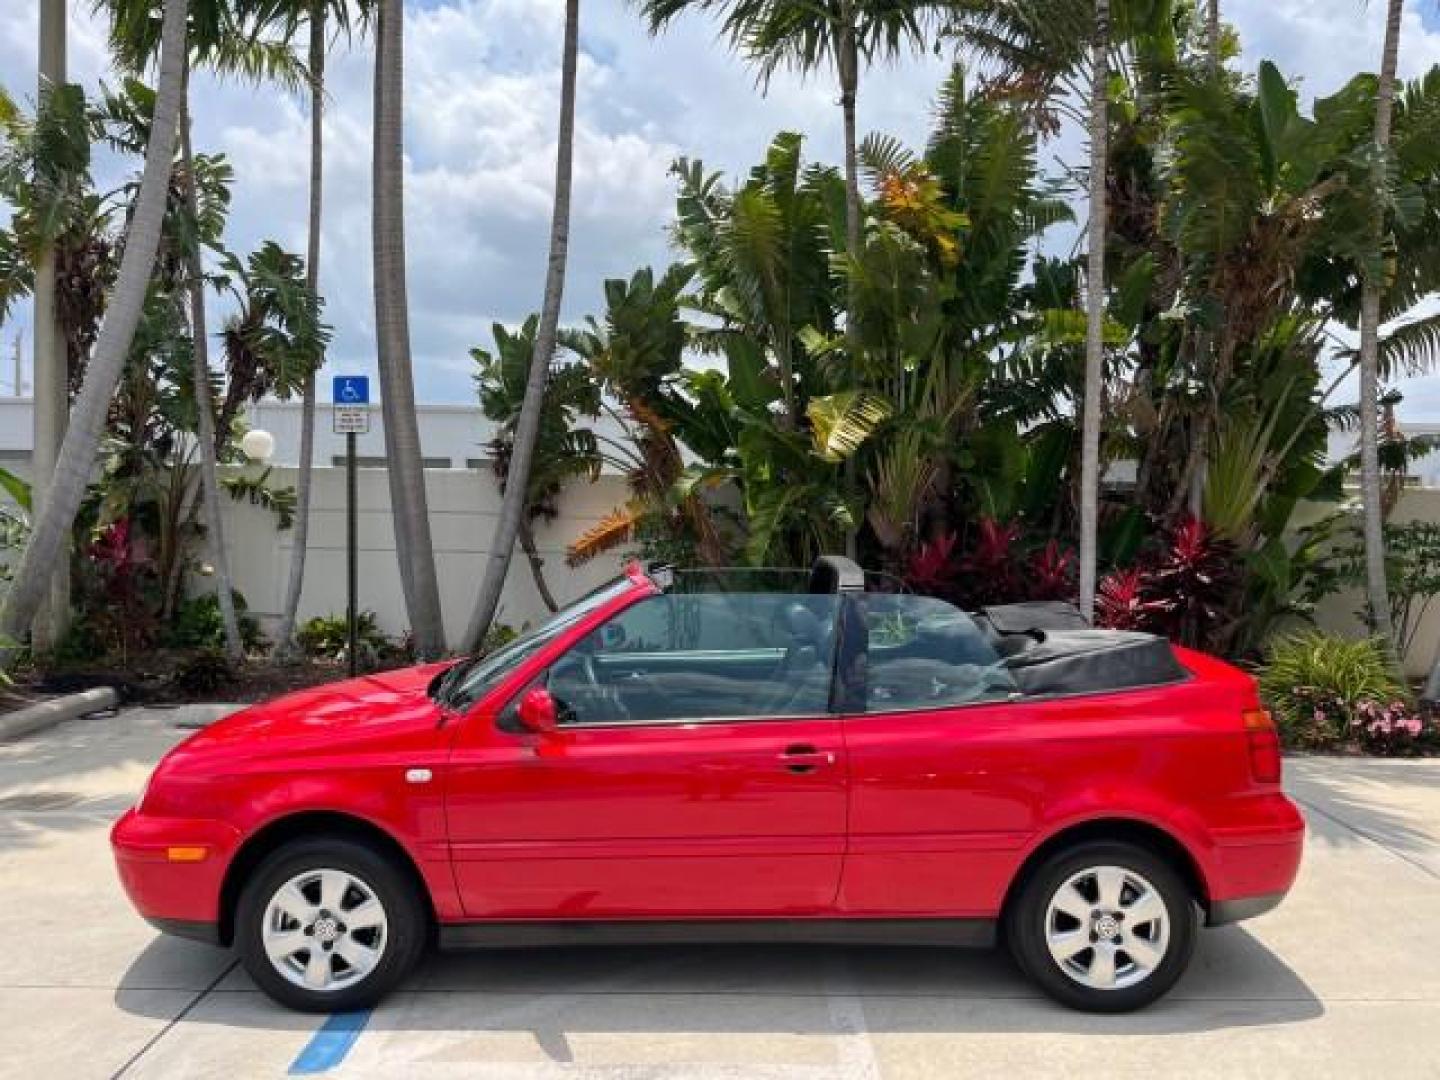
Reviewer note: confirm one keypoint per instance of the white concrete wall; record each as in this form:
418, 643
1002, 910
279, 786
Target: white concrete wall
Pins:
1340, 612
463, 504
454, 435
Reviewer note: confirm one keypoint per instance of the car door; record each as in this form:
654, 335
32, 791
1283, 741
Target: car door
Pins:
697, 771
943, 769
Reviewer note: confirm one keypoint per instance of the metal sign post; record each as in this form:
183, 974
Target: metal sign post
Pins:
351, 418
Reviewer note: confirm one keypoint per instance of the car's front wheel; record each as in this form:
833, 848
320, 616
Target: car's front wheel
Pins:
329, 924
1104, 927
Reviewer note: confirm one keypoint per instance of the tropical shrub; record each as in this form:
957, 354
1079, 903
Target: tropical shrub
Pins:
1412, 568
117, 584
1325, 691
198, 625
204, 673
498, 635
327, 636
14, 520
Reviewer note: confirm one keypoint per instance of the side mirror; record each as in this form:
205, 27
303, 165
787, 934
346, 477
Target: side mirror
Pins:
537, 711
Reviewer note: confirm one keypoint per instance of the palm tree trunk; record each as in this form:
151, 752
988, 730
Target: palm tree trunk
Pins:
1376, 589
537, 564
48, 539
409, 506
1212, 35
527, 427
204, 402
847, 59
52, 382
300, 537
1094, 315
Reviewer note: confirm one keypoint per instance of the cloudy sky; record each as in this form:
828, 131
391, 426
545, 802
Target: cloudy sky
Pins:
482, 85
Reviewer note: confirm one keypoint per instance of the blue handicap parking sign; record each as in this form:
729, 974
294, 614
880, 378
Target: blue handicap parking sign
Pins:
352, 389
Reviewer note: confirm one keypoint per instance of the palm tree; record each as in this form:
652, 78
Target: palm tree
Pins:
1094, 312
52, 396
218, 38
1376, 588
408, 504
527, 427
565, 450
775, 34
204, 400
1212, 36
300, 540
763, 266
315, 14
87, 420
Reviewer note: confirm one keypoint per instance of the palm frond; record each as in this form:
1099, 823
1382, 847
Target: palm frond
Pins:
840, 423
614, 530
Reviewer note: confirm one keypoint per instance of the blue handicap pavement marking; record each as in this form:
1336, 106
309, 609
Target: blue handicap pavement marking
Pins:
352, 390
329, 1045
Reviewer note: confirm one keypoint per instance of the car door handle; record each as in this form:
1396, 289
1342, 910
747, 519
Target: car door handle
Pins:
803, 758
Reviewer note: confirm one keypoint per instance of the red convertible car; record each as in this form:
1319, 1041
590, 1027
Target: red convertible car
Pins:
672, 759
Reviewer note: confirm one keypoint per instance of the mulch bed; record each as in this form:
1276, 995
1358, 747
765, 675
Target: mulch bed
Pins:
150, 679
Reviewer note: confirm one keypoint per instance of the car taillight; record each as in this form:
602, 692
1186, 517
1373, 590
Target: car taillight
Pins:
1264, 745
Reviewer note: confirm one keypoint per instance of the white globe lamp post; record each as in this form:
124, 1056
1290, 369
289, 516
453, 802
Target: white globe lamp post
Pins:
257, 445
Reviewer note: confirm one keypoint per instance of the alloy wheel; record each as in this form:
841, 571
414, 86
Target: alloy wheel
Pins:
324, 930
1107, 928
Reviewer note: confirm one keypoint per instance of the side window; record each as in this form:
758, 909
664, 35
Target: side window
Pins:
701, 657
923, 653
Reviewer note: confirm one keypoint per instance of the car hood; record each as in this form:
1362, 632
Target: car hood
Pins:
373, 707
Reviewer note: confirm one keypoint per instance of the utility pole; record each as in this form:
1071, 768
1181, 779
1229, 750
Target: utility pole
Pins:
50, 373
19, 364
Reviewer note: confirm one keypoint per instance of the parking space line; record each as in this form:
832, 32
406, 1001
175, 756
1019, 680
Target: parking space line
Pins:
186, 1011
330, 1043
847, 1015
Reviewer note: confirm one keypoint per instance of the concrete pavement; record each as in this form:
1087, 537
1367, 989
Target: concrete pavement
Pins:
1341, 981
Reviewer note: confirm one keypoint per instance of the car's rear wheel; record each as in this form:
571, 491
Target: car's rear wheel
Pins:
1104, 926
329, 924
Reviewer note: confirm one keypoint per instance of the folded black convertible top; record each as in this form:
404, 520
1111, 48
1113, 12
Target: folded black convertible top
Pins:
1048, 649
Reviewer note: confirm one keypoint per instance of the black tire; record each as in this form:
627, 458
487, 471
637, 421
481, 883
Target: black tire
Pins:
400, 945
1027, 923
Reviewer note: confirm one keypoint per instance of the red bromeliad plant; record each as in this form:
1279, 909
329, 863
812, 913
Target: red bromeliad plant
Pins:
1050, 573
1179, 591
930, 570
120, 563
989, 573
997, 569
1120, 602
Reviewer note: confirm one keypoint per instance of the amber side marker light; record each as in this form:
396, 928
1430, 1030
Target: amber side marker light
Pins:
185, 854
1264, 745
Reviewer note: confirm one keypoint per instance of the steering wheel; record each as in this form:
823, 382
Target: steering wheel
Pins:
588, 669
588, 690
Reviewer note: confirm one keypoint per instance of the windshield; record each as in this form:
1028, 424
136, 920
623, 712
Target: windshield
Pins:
470, 680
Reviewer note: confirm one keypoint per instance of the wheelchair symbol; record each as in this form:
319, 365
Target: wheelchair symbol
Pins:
352, 390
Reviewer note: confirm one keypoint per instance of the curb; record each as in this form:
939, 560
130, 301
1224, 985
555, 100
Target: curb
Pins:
33, 718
